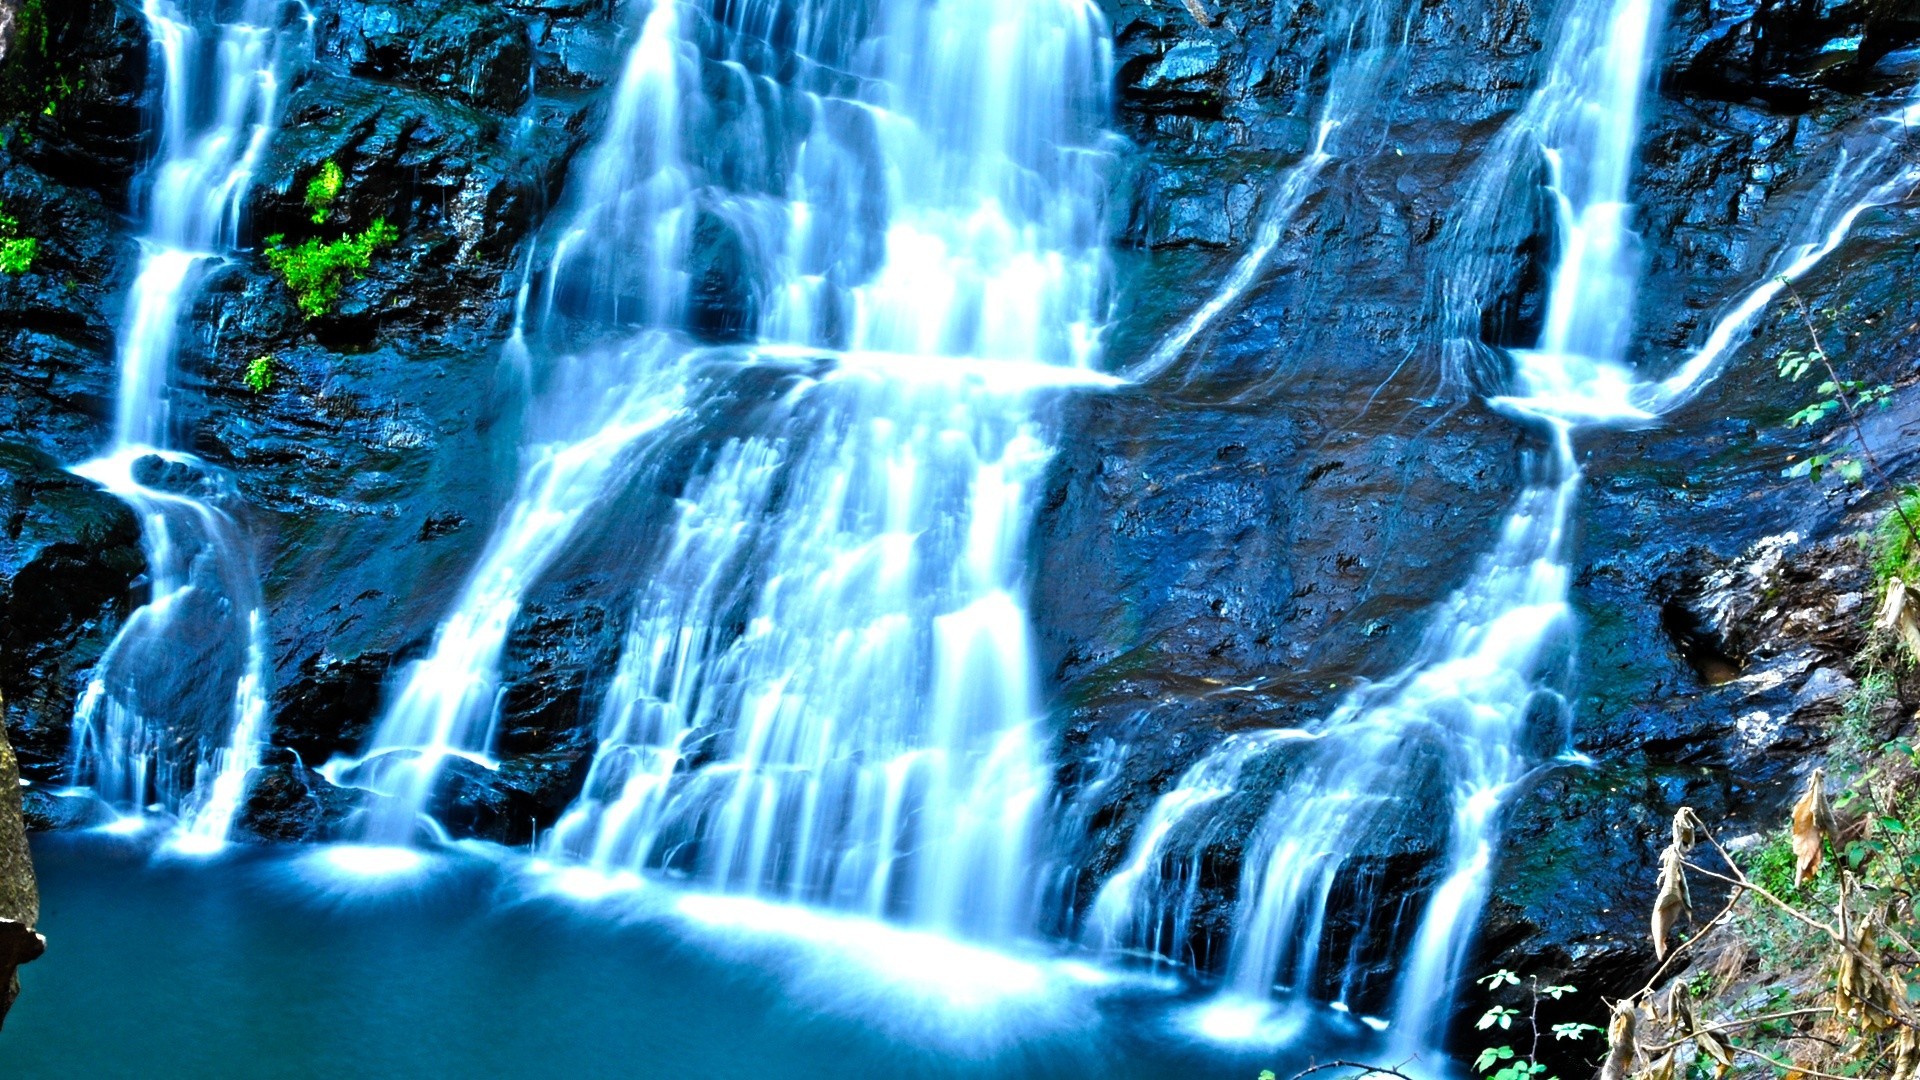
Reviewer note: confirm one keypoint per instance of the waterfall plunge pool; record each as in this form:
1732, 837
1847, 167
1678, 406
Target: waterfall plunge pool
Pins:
273, 962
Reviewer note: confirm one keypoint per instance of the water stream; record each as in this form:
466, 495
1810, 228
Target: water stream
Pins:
172, 719
1351, 890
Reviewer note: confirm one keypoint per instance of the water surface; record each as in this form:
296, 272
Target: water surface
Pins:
269, 963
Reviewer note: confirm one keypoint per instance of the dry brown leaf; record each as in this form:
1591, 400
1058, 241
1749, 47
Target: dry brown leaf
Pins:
1710, 1045
1812, 823
1906, 1055
1862, 990
1672, 903
1897, 615
1661, 1069
1621, 1047
1686, 828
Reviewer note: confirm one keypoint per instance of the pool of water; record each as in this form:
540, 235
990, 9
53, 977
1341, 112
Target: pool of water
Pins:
304, 963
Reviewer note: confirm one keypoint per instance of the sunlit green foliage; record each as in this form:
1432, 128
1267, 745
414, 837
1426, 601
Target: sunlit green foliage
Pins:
259, 374
16, 251
324, 189
316, 270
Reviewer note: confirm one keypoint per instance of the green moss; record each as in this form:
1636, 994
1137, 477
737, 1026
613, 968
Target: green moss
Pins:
324, 189
316, 270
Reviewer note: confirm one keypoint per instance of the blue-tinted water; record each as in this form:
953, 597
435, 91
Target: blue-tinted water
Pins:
269, 964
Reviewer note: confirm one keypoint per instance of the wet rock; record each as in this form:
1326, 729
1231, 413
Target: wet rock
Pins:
473, 52
1789, 55
75, 91
289, 802
19, 895
56, 318
69, 558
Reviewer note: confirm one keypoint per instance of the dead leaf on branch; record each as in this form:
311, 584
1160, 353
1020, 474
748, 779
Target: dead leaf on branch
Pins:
1716, 1050
1673, 903
1661, 1069
1686, 829
1812, 824
1897, 615
1622, 1050
1862, 989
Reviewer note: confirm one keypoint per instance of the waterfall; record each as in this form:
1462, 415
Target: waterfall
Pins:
826, 691
1352, 836
148, 734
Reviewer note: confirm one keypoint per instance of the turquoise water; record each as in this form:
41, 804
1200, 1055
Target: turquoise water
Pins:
270, 963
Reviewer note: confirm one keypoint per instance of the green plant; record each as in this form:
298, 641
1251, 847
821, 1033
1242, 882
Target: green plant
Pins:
258, 376
1771, 866
1835, 395
316, 270
1895, 552
16, 251
1503, 1062
324, 189
42, 69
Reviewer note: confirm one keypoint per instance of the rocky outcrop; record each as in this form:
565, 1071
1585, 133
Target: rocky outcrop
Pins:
69, 558
19, 898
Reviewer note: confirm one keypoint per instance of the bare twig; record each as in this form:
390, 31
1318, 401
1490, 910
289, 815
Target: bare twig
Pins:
1846, 401
1365, 1068
1730, 1025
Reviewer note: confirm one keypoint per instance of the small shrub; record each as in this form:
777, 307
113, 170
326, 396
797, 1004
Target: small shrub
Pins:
324, 189
316, 270
1894, 553
16, 251
259, 374
1771, 866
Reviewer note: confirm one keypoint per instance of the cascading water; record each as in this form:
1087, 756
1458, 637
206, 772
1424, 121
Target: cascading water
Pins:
147, 732
1353, 823
835, 616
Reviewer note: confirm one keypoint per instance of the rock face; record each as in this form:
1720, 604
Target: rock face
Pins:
1228, 545
19, 899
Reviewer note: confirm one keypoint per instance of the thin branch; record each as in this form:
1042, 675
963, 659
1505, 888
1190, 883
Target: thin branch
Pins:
1846, 401
1379, 1069
1729, 1025
1747, 883
1788, 1065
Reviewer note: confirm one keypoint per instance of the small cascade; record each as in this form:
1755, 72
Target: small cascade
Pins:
1871, 172
173, 717
1367, 36
618, 265
1330, 902
826, 692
